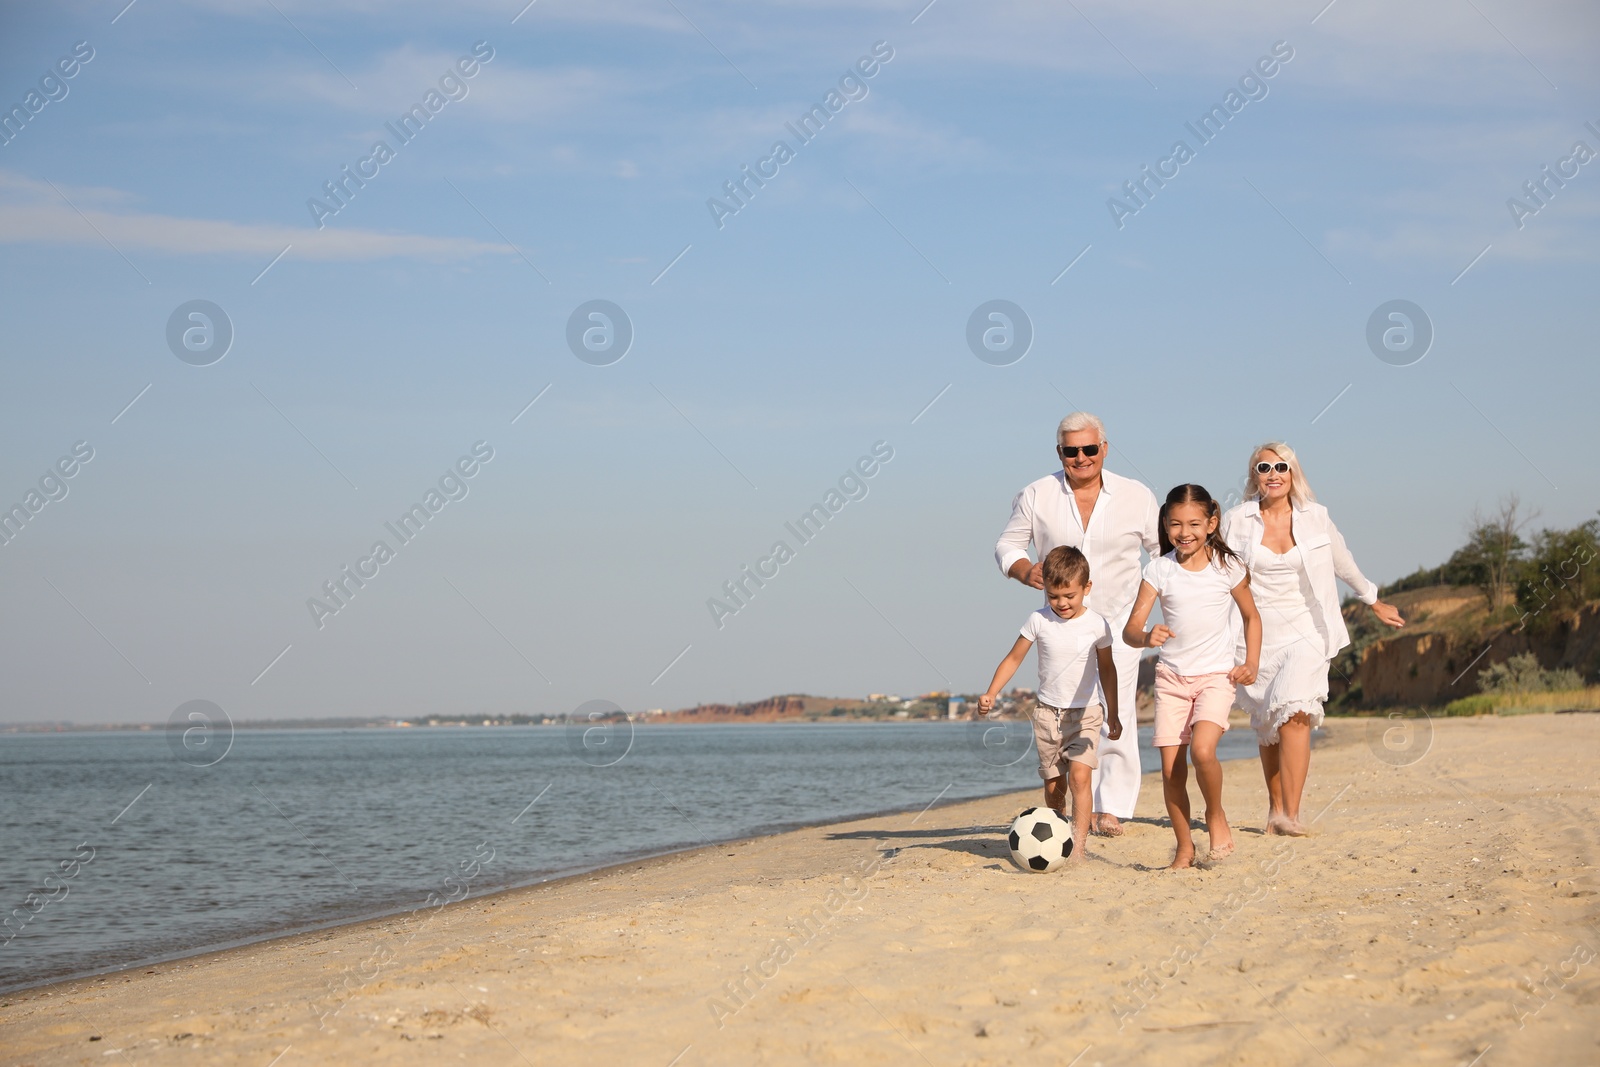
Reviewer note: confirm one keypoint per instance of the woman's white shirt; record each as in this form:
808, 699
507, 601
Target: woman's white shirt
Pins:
1322, 552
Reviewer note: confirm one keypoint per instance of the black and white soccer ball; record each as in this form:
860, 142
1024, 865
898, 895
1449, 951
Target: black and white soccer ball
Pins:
1040, 840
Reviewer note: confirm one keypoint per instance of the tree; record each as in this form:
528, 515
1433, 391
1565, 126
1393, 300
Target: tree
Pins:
1495, 553
1562, 572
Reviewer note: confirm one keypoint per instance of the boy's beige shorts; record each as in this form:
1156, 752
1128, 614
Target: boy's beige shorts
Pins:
1064, 735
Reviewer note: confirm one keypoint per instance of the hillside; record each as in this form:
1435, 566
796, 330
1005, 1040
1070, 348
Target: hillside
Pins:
1449, 639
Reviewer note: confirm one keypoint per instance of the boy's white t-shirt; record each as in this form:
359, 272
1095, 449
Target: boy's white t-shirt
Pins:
1198, 607
1069, 670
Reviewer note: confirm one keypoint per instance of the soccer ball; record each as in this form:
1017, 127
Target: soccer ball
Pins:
1041, 840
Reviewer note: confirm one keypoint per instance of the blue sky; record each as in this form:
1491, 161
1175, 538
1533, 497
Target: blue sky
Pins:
777, 349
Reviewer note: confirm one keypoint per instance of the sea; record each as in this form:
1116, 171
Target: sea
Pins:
125, 848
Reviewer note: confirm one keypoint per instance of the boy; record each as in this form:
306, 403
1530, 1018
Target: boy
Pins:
1075, 666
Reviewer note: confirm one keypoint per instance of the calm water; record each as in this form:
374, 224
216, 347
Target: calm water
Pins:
132, 854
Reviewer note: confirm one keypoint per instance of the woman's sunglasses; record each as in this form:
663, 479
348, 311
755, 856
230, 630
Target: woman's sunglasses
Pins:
1264, 467
1071, 451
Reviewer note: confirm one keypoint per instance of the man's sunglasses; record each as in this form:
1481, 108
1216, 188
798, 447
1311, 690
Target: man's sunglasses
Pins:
1071, 451
1264, 467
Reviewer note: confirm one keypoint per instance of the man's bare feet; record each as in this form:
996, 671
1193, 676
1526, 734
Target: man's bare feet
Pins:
1107, 825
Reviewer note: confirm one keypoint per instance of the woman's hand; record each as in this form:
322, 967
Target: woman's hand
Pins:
985, 704
1387, 614
1158, 636
1243, 674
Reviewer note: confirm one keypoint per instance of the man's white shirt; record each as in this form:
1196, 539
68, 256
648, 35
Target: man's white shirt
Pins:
1045, 514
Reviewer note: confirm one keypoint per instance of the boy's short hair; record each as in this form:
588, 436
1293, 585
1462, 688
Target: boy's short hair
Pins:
1063, 566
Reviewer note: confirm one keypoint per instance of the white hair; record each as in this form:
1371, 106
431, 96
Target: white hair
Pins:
1079, 420
1299, 489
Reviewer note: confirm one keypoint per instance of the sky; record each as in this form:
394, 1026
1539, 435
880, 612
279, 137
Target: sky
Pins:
356, 351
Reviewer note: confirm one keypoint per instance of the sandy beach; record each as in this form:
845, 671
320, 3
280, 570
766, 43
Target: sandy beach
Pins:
1443, 912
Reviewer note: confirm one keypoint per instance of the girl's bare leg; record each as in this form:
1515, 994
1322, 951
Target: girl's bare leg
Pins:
1175, 790
1208, 772
1294, 742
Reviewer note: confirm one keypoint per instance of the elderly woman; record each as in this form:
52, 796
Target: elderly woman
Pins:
1294, 553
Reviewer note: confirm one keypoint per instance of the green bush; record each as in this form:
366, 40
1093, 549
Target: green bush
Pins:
1481, 704
1522, 674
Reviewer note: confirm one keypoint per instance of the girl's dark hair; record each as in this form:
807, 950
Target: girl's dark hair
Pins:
1196, 494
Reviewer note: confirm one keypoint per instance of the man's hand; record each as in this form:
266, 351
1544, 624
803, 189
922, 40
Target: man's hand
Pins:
1114, 728
1158, 636
1029, 574
1243, 674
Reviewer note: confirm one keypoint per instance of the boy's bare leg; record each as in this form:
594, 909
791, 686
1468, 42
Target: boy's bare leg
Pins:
1079, 776
1208, 772
1277, 821
1294, 759
1175, 790
1055, 793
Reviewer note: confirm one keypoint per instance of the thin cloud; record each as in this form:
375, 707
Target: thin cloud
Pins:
31, 212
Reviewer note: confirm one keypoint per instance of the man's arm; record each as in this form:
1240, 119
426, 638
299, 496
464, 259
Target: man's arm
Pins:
1011, 551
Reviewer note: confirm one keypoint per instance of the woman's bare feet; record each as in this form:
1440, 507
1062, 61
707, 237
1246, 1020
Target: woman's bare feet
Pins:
1182, 860
1297, 828
1279, 824
1220, 853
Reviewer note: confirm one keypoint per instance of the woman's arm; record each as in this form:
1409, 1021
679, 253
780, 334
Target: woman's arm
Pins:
1133, 634
1344, 565
1245, 673
1003, 673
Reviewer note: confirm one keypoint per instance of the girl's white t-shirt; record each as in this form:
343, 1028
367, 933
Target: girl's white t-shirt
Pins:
1069, 668
1198, 609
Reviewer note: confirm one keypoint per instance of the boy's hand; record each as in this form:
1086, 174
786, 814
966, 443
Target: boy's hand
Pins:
1158, 636
1114, 729
985, 704
1243, 674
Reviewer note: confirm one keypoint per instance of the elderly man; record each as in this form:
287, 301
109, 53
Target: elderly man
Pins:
1108, 518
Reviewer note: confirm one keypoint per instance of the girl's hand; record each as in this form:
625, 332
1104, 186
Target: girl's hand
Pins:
1387, 614
1158, 636
985, 704
1243, 674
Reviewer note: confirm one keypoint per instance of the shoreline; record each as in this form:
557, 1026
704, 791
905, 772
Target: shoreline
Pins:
364, 918
1444, 910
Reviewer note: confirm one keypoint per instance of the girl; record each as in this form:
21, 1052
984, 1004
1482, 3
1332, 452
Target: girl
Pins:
1199, 580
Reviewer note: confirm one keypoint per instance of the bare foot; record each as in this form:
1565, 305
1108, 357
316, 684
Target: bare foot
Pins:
1221, 835
1219, 853
1107, 825
1296, 828
1279, 824
1183, 860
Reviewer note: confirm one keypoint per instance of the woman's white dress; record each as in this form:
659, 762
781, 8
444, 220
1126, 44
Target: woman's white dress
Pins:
1294, 667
